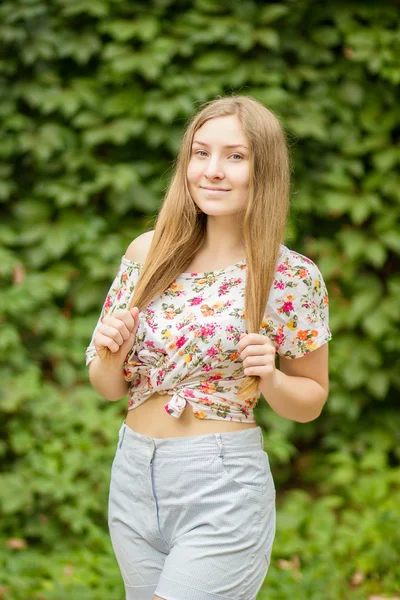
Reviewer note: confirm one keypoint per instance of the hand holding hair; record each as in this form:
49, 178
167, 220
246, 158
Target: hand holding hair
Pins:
116, 334
258, 355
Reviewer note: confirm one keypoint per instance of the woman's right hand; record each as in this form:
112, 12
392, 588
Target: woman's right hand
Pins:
117, 333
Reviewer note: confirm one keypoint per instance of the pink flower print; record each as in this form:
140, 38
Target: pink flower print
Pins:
279, 337
207, 330
207, 387
279, 285
181, 341
223, 289
287, 307
188, 393
107, 304
196, 301
282, 268
207, 368
207, 401
212, 351
230, 332
215, 377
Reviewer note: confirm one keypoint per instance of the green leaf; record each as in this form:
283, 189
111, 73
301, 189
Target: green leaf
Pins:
272, 12
267, 37
385, 160
378, 384
351, 92
210, 62
376, 253
326, 36
391, 239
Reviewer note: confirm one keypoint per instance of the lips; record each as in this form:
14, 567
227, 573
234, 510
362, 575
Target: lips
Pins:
210, 189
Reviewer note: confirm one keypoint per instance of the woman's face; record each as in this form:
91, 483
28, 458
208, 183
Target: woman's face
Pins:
218, 173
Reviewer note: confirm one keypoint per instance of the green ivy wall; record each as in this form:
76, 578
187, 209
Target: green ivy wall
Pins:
94, 96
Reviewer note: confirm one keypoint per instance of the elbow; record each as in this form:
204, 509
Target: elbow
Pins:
314, 411
307, 418
114, 398
111, 397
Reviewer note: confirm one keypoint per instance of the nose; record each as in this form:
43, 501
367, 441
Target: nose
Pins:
213, 169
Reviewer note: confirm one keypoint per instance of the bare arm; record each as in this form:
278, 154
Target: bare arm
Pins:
107, 376
301, 387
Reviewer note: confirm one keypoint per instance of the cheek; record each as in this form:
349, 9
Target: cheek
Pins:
242, 177
193, 172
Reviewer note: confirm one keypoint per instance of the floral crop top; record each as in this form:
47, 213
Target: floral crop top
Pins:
186, 341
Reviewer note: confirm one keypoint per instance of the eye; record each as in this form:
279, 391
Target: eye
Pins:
237, 156
200, 153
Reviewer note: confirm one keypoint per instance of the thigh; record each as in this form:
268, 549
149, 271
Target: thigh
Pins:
139, 563
222, 547
132, 522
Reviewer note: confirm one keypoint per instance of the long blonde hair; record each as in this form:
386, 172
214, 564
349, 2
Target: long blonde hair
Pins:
180, 229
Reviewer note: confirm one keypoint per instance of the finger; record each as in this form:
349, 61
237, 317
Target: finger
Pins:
126, 317
251, 339
264, 371
113, 333
103, 341
261, 350
120, 325
254, 372
259, 360
265, 350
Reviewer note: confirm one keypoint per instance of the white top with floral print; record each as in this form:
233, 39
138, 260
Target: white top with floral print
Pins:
186, 342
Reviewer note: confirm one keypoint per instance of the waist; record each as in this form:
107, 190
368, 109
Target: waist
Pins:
151, 419
195, 445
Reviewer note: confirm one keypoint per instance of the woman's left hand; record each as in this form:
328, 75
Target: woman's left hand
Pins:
258, 355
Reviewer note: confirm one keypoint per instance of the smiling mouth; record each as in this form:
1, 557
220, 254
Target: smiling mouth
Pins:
210, 189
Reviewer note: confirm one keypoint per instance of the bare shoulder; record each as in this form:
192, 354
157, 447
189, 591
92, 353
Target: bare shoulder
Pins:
138, 249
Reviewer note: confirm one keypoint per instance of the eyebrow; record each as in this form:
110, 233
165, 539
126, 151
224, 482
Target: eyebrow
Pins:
228, 146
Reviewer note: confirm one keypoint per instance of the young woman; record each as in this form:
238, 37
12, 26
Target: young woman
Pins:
201, 309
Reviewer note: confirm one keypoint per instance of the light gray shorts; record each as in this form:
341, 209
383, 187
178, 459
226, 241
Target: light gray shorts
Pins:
192, 518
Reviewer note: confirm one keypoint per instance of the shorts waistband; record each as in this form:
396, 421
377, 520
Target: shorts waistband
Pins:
194, 445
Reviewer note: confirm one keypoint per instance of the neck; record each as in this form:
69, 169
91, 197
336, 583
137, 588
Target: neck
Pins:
224, 237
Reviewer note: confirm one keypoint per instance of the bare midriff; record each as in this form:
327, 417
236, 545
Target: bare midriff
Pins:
151, 418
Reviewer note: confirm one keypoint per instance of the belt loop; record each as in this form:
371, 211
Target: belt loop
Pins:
218, 439
122, 437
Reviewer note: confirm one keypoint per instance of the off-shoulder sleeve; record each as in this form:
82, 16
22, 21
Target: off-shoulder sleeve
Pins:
118, 297
297, 318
